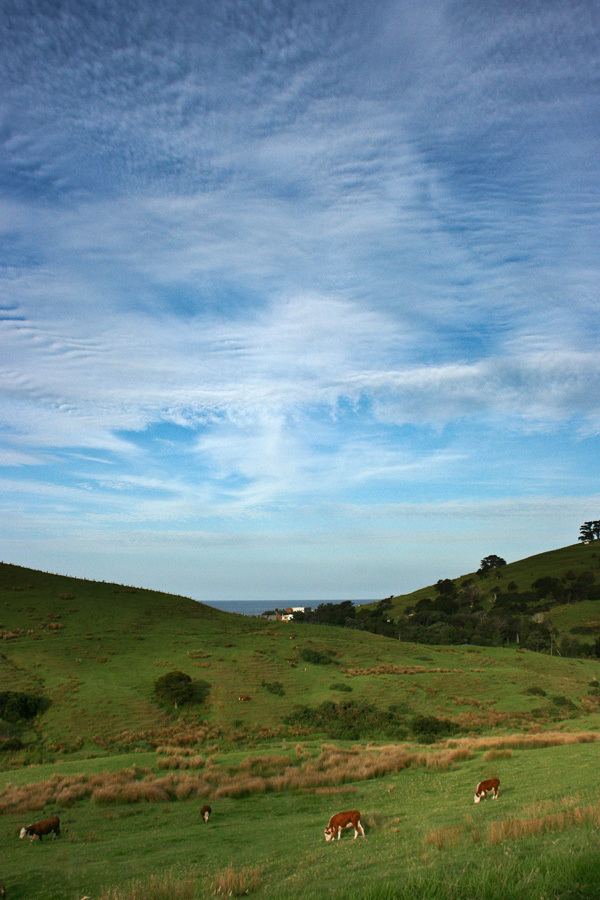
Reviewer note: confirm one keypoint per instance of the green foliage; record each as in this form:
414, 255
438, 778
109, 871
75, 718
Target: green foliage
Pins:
341, 687
273, 687
535, 691
490, 562
316, 657
16, 706
177, 689
428, 729
349, 719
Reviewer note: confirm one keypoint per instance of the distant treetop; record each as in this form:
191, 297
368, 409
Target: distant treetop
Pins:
589, 531
490, 562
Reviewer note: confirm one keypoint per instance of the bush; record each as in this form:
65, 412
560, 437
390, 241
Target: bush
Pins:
274, 687
16, 706
536, 691
348, 719
340, 686
429, 729
9, 744
316, 657
176, 689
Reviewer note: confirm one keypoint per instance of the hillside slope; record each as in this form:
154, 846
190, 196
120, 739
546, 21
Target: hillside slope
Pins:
563, 563
95, 649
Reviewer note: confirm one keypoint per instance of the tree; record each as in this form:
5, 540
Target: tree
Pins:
589, 531
174, 688
490, 562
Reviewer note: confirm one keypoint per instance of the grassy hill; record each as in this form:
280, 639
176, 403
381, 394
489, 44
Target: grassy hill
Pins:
565, 562
127, 776
95, 650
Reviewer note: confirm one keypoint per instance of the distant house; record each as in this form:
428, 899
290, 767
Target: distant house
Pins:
287, 614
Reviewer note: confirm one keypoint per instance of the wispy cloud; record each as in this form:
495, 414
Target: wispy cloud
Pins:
261, 260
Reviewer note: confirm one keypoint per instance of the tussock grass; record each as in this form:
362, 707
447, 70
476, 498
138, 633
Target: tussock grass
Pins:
513, 829
332, 767
530, 741
232, 882
497, 754
165, 886
181, 762
441, 838
391, 669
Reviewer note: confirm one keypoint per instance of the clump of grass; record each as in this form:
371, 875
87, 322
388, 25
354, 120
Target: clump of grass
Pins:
442, 838
232, 882
513, 829
166, 886
340, 686
274, 687
181, 762
497, 754
531, 741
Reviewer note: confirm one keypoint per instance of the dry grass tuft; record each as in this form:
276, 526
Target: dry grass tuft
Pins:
442, 838
166, 886
513, 829
497, 754
530, 741
231, 882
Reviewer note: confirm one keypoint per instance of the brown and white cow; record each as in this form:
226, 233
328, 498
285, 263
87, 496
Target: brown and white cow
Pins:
337, 823
37, 830
205, 813
244, 698
484, 787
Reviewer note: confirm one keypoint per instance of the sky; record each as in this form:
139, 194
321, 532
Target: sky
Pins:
297, 299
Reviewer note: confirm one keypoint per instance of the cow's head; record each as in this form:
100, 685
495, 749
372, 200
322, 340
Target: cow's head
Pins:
477, 798
23, 832
206, 815
329, 834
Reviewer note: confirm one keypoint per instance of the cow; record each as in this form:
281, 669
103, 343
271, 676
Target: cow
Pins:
243, 698
205, 813
337, 823
37, 830
483, 788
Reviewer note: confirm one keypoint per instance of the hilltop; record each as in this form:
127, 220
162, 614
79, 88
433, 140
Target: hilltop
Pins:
559, 591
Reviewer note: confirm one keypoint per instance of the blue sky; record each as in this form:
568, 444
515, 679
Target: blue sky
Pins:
297, 300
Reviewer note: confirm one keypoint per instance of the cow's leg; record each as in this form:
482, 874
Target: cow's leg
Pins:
360, 828
339, 832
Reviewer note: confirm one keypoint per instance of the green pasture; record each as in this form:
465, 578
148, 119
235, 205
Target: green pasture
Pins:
280, 836
98, 668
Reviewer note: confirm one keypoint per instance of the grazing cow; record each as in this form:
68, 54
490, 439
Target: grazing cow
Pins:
243, 698
337, 823
37, 830
491, 784
205, 813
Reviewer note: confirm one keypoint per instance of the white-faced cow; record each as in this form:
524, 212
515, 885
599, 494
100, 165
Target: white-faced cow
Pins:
205, 813
37, 830
484, 787
337, 823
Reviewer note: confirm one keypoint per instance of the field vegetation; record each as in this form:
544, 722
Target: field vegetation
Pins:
120, 711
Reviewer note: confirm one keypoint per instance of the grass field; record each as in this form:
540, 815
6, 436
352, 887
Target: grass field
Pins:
425, 837
128, 777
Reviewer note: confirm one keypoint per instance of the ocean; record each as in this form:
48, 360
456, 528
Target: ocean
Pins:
255, 608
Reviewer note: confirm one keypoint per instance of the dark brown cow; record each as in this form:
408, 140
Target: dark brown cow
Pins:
37, 830
243, 698
484, 787
205, 813
337, 823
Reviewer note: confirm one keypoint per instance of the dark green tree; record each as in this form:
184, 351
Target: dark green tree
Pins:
174, 689
490, 562
589, 531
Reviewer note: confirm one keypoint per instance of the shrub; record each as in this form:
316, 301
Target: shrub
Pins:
9, 744
428, 729
535, 691
564, 702
274, 687
340, 686
316, 657
348, 719
16, 706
